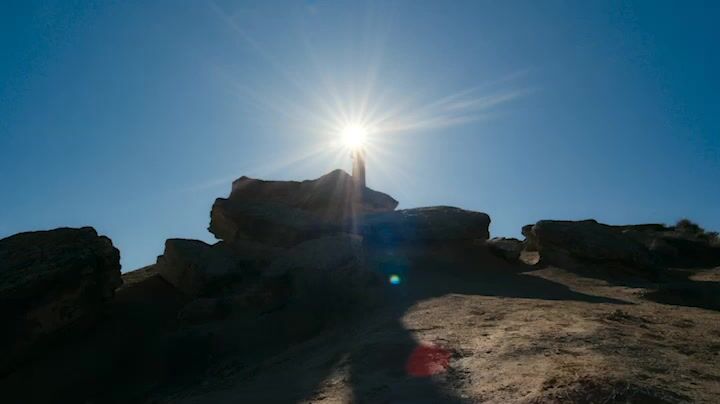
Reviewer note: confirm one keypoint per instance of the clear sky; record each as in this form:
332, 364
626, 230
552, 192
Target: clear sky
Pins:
133, 116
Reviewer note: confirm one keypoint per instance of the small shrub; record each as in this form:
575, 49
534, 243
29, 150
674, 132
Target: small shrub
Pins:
688, 226
714, 238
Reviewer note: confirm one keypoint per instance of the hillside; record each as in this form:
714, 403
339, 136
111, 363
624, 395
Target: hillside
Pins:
315, 294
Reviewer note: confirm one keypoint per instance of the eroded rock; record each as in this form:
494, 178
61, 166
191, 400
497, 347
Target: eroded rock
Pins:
638, 246
431, 224
506, 248
329, 273
52, 284
559, 242
203, 309
197, 268
289, 212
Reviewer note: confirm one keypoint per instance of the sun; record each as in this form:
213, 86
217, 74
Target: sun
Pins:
354, 136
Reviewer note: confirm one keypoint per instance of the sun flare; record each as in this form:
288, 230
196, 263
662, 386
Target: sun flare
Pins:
354, 136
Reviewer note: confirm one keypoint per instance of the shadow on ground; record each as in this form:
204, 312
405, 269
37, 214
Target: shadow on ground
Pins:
388, 370
376, 354
140, 353
703, 294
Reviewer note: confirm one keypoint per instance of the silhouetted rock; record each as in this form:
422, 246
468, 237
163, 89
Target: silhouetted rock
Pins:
675, 246
685, 252
529, 243
642, 246
203, 309
52, 284
437, 223
507, 248
672, 248
197, 268
288, 212
329, 273
559, 242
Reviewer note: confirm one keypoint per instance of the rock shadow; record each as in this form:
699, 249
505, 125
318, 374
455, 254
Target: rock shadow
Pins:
386, 363
704, 295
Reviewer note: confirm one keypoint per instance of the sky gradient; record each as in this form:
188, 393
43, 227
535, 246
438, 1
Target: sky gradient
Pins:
133, 117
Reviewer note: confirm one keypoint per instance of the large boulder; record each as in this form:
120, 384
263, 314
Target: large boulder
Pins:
431, 224
289, 212
327, 273
197, 268
52, 284
560, 241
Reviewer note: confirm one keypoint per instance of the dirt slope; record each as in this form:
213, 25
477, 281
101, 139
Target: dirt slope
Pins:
465, 326
462, 326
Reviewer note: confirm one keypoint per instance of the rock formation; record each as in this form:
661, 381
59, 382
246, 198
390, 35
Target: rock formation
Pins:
304, 238
288, 212
197, 268
504, 247
559, 241
674, 247
646, 246
52, 284
324, 285
438, 223
328, 272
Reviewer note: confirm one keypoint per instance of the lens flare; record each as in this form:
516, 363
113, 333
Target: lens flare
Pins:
427, 359
394, 280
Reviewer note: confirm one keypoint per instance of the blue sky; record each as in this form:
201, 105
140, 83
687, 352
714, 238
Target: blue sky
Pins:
133, 116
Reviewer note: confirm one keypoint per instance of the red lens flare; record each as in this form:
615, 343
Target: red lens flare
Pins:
427, 359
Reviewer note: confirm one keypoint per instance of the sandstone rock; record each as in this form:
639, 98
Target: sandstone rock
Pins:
673, 247
662, 251
203, 309
437, 223
327, 273
530, 243
256, 296
52, 284
288, 212
557, 241
255, 255
507, 248
639, 246
684, 252
271, 223
197, 268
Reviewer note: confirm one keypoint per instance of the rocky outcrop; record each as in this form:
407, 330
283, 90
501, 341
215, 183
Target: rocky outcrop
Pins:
530, 243
197, 268
52, 284
289, 212
672, 247
506, 248
685, 252
203, 310
327, 273
437, 223
559, 242
638, 246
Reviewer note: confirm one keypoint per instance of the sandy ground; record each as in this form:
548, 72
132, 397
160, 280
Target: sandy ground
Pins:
465, 326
